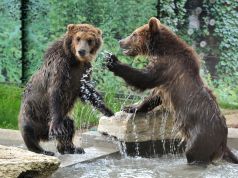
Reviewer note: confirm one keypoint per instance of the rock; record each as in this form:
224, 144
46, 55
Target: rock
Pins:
145, 135
16, 162
231, 116
138, 128
150, 126
232, 120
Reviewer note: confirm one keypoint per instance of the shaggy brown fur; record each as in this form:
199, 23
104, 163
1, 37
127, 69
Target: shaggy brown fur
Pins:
52, 91
173, 73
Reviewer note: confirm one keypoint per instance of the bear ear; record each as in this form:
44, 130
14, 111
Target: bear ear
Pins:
99, 32
70, 27
154, 24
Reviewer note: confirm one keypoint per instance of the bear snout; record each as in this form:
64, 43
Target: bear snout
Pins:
120, 42
82, 52
123, 44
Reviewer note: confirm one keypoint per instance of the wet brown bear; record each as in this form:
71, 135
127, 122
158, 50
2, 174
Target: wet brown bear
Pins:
52, 90
173, 73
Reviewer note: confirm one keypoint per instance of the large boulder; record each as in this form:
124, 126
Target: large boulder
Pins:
146, 135
138, 127
16, 162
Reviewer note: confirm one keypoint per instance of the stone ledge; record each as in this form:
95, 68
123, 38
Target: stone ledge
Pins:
142, 127
231, 118
16, 162
149, 134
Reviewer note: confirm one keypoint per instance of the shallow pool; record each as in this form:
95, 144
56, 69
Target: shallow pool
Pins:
166, 166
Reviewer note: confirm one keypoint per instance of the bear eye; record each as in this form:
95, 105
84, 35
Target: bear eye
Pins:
78, 39
134, 36
89, 41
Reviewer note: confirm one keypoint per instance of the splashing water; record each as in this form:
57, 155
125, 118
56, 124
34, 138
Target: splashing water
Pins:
135, 134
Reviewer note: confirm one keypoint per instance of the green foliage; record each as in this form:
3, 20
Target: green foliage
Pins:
227, 96
37, 38
10, 99
86, 116
170, 17
83, 113
225, 14
47, 21
10, 44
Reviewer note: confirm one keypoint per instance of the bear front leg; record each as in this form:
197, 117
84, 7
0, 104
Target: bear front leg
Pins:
57, 128
147, 105
141, 79
88, 93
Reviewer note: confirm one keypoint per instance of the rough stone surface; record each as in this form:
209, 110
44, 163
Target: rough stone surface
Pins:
16, 162
143, 127
231, 118
153, 133
138, 128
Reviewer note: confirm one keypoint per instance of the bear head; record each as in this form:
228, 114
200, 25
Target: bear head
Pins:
145, 39
83, 41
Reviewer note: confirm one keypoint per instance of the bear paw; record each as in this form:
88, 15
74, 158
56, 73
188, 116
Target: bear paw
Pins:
111, 61
130, 109
107, 112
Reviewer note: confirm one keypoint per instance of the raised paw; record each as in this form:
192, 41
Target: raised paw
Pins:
57, 129
111, 61
108, 112
130, 109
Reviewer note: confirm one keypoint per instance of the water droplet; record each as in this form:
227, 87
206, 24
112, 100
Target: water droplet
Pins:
198, 10
202, 55
203, 43
212, 22
190, 31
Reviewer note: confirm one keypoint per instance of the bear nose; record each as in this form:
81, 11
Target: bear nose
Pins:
82, 52
120, 42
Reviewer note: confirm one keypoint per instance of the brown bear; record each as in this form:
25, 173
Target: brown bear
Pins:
173, 73
53, 89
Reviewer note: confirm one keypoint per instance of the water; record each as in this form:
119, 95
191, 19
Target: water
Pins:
163, 167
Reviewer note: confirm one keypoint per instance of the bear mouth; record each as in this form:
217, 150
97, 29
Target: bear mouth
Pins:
129, 52
126, 51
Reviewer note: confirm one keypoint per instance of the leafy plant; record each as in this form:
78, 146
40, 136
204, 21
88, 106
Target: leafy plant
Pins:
10, 99
10, 43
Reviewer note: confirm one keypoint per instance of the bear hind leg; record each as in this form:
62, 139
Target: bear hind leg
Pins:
196, 152
32, 142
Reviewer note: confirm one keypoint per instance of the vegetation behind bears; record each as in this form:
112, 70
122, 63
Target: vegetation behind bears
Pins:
45, 21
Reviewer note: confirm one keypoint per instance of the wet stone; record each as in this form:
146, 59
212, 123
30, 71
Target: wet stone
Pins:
16, 162
145, 135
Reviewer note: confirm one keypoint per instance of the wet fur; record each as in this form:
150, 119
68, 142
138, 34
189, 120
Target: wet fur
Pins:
51, 93
173, 74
